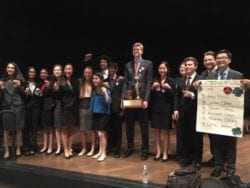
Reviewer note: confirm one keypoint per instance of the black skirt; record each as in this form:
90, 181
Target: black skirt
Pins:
16, 119
69, 117
161, 120
100, 122
47, 119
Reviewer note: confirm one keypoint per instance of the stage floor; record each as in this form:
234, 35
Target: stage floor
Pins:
131, 168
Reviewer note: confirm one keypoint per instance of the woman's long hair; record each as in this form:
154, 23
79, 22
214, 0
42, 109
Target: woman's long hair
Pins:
55, 79
158, 76
83, 80
17, 75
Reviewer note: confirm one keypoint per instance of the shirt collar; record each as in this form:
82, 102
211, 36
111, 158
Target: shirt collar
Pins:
225, 71
192, 76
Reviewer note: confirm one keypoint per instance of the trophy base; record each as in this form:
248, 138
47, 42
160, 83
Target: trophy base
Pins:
133, 103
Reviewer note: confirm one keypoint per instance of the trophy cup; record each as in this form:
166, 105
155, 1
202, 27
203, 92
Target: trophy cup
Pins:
130, 101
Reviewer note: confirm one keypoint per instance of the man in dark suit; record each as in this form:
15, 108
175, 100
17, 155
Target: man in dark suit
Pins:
185, 108
143, 69
224, 147
209, 62
115, 130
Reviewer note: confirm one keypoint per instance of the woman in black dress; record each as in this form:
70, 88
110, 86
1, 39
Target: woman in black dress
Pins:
57, 80
68, 90
163, 90
47, 111
12, 86
32, 105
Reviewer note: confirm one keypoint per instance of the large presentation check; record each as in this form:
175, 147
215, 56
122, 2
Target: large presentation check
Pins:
220, 107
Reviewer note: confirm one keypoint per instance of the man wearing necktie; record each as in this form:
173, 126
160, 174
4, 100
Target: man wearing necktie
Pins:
209, 62
185, 108
115, 130
224, 147
143, 70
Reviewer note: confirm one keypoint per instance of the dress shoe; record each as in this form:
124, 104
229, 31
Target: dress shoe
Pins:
102, 158
6, 155
83, 152
164, 160
32, 152
49, 152
89, 154
26, 153
216, 173
127, 153
96, 156
42, 151
67, 156
185, 163
209, 163
117, 155
157, 158
58, 152
144, 156
197, 166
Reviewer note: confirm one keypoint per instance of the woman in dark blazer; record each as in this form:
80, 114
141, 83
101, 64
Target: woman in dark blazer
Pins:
12, 87
56, 81
163, 90
32, 105
68, 89
47, 111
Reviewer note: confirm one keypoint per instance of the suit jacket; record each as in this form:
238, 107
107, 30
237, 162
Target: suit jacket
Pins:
183, 104
32, 100
69, 95
48, 101
116, 94
12, 95
162, 99
232, 74
145, 78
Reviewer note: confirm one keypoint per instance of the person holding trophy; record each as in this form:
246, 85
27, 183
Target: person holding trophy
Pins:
136, 93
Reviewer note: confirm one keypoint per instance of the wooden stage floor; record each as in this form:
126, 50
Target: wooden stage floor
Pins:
131, 168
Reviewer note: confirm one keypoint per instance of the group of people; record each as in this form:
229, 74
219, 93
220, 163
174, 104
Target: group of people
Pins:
94, 103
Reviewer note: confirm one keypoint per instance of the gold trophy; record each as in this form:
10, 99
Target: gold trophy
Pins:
130, 101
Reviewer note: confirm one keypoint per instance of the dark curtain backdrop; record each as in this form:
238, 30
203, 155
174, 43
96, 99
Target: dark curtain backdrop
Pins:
42, 34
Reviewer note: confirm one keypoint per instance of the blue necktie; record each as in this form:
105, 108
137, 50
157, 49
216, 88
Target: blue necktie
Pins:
222, 75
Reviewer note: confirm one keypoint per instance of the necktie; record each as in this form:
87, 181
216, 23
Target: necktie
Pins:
188, 82
112, 82
137, 68
222, 75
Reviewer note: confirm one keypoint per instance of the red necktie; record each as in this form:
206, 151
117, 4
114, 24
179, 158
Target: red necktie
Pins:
137, 68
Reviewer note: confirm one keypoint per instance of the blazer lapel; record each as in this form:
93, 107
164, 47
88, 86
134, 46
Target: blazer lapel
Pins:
229, 76
132, 68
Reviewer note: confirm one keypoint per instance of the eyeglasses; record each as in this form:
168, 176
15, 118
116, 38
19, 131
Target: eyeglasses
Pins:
222, 58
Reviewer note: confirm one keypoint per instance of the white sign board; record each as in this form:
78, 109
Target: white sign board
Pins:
220, 107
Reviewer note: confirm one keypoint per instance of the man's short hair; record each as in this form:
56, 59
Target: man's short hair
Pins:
191, 59
212, 53
229, 54
138, 44
113, 64
105, 57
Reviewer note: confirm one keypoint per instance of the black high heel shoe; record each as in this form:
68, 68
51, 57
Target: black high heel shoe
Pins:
49, 153
42, 151
164, 160
58, 153
157, 158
